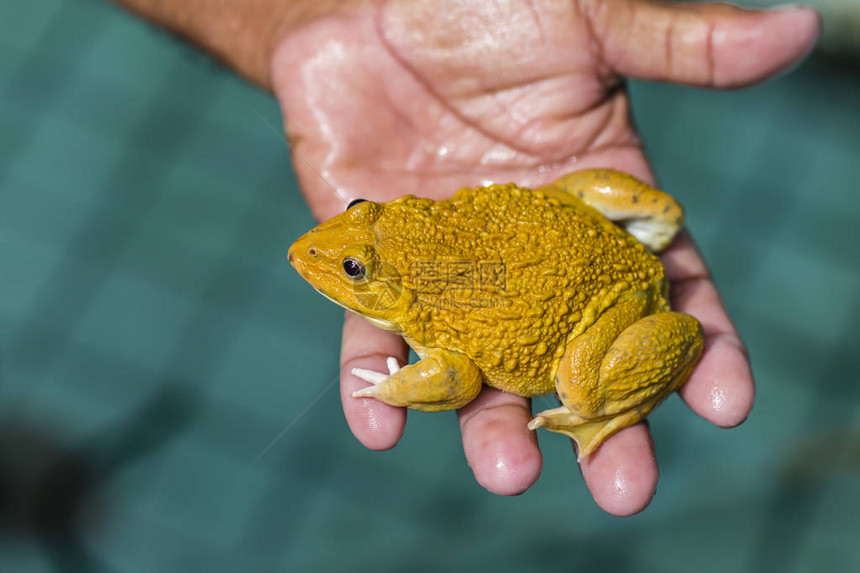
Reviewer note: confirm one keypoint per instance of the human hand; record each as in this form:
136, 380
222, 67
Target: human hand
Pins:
429, 96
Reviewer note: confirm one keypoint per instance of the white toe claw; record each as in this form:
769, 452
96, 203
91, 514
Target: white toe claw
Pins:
369, 375
374, 377
393, 366
366, 392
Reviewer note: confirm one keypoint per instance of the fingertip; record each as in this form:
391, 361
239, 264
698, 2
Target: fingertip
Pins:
501, 451
803, 22
783, 39
721, 389
622, 474
375, 424
511, 475
505, 467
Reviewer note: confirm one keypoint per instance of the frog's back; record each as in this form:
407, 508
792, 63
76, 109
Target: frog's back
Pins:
505, 275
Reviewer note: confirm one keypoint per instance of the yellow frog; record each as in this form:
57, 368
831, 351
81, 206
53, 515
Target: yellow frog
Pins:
528, 291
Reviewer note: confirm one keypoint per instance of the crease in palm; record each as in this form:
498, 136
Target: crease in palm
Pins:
426, 114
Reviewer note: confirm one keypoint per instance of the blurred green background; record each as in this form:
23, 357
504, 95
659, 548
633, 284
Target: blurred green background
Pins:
154, 342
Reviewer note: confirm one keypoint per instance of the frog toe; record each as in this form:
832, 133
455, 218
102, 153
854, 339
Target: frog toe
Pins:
371, 376
375, 377
442, 380
553, 417
366, 392
588, 434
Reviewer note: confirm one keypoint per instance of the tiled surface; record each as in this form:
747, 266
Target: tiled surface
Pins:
154, 342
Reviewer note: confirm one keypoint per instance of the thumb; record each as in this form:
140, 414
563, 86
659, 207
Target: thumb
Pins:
711, 45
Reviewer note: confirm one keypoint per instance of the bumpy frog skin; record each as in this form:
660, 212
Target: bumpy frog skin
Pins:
528, 291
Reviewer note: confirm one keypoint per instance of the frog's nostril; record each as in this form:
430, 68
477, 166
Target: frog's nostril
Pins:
312, 252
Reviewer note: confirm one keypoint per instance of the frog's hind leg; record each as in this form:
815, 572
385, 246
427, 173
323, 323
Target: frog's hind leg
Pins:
650, 215
607, 383
441, 380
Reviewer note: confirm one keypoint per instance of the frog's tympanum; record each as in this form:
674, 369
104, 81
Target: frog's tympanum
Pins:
529, 291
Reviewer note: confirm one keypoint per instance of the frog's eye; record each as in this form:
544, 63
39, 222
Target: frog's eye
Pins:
354, 202
354, 268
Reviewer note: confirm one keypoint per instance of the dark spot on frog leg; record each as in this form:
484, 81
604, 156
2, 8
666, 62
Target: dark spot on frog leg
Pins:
666, 209
635, 198
580, 194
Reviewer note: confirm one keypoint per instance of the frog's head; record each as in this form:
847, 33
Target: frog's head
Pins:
340, 259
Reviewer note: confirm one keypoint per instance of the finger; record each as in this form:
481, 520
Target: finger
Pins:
711, 45
376, 424
721, 388
501, 450
622, 474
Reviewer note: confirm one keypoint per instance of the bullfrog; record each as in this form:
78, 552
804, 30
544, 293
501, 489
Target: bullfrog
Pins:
532, 291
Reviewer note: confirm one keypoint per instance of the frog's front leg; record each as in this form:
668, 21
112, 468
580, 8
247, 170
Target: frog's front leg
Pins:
610, 380
442, 380
650, 215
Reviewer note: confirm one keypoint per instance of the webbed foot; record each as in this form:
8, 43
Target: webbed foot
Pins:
442, 380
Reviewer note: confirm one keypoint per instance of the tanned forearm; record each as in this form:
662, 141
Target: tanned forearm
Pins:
240, 33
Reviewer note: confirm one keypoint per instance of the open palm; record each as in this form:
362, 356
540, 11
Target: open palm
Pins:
426, 97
